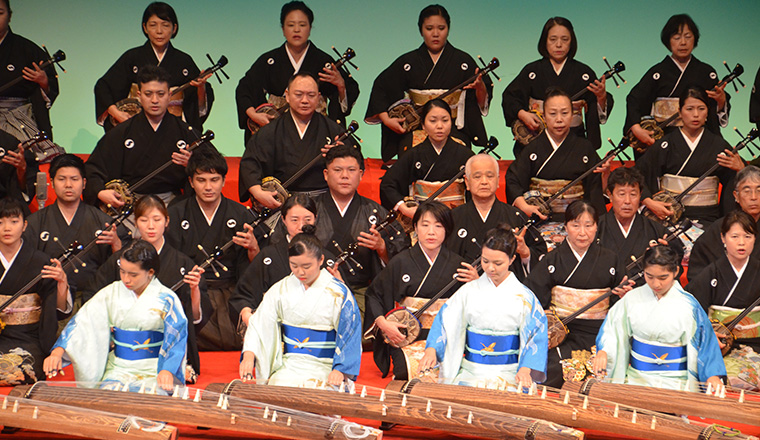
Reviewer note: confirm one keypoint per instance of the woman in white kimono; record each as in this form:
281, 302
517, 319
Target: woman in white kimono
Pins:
143, 319
658, 335
492, 331
316, 317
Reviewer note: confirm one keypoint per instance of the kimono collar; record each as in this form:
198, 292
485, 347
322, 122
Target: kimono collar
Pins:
622, 229
161, 57
578, 256
7, 263
343, 211
689, 143
558, 70
298, 127
297, 64
691, 57
209, 220
740, 271
556, 145
5, 36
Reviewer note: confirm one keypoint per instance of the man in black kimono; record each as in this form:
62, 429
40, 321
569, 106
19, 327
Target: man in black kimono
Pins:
287, 144
754, 101
142, 144
18, 171
211, 220
484, 212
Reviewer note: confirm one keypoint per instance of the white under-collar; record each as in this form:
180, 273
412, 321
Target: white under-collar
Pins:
679, 64
740, 272
558, 70
297, 64
555, 145
342, 212
430, 262
298, 127
692, 144
622, 229
578, 256
8, 263
159, 57
163, 242
210, 220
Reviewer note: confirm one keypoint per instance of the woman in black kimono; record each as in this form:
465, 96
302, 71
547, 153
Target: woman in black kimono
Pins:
159, 25
557, 68
425, 73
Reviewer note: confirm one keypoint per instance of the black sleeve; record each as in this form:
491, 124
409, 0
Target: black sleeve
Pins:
113, 86
639, 101
250, 90
394, 185
700, 287
107, 273
515, 97
517, 178
540, 282
257, 161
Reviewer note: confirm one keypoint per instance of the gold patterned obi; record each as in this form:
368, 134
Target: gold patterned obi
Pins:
426, 320
452, 196
566, 300
704, 194
548, 188
748, 328
579, 107
664, 108
26, 309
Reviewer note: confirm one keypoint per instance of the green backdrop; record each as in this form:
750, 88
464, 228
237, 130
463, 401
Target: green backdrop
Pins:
93, 33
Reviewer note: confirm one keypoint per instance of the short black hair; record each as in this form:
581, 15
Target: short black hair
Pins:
289, 7
664, 256
742, 218
692, 92
554, 91
150, 73
66, 161
302, 74
501, 238
675, 25
143, 254
164, 12
299, 199
342, 151
577, 208
432, 11
550, 23
10, 207
439, 211
433, 103
625, 176
305, 242
206, 159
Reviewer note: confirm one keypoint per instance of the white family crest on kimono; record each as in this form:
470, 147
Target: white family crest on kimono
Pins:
320, 327
154, 329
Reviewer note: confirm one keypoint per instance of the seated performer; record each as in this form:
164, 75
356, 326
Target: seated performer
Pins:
69, 220
268, 78
152, 217
709, 247
492, 331
552, 160
683, 155
577, 272
726, 288
142, 317
411, 279
160, 26
428, 166
30, 322
18, 170
656, 94
141, 145
423, 74
210, 220
622, 230
288, 144
316, 317
484, 212
658, 335
558, 67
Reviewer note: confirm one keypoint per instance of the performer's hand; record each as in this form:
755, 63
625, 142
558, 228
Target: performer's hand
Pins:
193, 278
625, 287
327, 147
530, 119
428, 361
335, 378
600, 364
371, 240
407, 210
719, 95
661, 241
522, 249
165, 380
110, 237
201, 81
332, 75
478, 83
604, 168
118, 115
528, 209
731, 160
395, 124
715, 382
181, 157
642, 135
246, 239
523, 376
390, 329
53, 364
110, 197
246, 365
245, 315
16, 159
334, 271
660, 209
265, 197
261, 119
54, 271
37, 75
467, 273
599, 90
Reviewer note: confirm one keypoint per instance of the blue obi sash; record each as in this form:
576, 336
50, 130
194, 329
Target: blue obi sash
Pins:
649, 357
317, 343
491, 349
134, 345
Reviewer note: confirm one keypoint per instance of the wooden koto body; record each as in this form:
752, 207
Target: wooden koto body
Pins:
395, 407
563, 408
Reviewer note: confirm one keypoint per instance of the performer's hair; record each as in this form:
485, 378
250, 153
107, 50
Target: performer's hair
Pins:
66, 161
305, 242
440, 103
440, 212
492, 160
661, 255
152, 73
553, 92
550, 23
577, 208
738, 217
206, 159
750, 172
341, 151
675, 25
299, 199
10, 207
302, 74
432, 11
164, 12
289, 7
692, 92
148, 202
625, 176
143, 254
501, 238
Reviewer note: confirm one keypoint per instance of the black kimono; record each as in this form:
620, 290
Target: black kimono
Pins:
709, 248
468, 225
9, 184
117, 81
24, 344
16, 52
278, 150
422, 163
401, 278
713, 285
600, 268
133, 150
669, 154
574, 157
415, 70
173, 267
533, 81
754, 101
270, 74
188, 229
